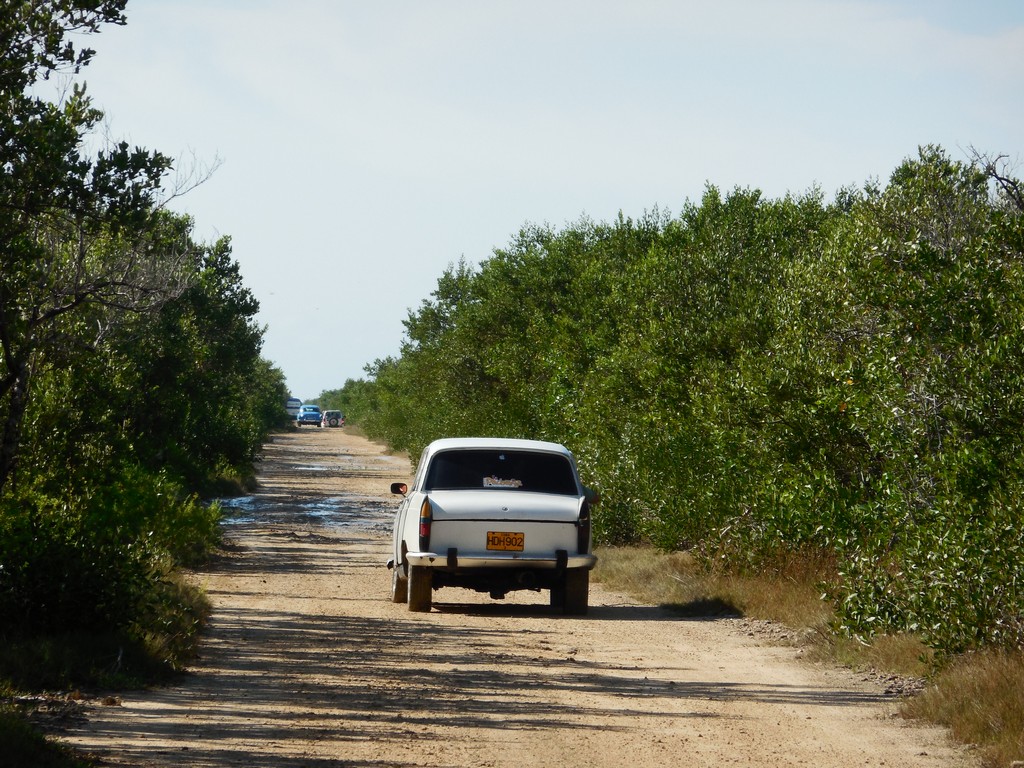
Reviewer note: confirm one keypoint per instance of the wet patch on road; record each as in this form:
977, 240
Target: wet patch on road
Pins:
348, 511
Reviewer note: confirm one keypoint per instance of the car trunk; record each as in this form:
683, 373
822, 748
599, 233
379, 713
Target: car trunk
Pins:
497, 523
490, 505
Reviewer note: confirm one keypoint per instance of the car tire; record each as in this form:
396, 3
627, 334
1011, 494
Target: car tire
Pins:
399, 585
575, 592
420, 588
558, 595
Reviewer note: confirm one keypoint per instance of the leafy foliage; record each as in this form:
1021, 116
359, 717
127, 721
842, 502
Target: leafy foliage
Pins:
130, 368
756, 378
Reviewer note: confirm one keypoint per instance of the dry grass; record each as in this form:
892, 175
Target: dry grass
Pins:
980, 697
791, 596
902, 654
646, 574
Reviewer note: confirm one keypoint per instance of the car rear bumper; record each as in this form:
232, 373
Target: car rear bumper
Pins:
456, 560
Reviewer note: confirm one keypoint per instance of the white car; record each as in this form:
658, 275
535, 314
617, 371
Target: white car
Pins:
493, 515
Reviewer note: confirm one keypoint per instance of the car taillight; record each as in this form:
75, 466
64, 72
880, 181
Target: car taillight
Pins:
426, 518
583, 529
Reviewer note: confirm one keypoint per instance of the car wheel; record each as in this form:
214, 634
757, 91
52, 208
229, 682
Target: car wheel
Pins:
576, 589
558, 595
399, 585
420, 586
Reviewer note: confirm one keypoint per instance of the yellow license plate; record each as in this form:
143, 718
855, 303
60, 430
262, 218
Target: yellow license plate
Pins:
505, 541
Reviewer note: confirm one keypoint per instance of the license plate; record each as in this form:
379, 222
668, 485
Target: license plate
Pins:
505, 541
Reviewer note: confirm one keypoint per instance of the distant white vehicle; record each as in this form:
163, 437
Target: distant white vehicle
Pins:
493, 515
292, 405
332, 419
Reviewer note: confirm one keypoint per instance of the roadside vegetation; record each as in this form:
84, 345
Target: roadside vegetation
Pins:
131, 387
799, 391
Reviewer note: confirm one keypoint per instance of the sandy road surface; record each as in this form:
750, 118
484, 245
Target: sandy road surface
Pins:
308, 663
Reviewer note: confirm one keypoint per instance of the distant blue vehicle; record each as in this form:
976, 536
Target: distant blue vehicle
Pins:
308, 414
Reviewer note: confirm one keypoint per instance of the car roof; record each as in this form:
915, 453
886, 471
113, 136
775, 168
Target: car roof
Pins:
494, 443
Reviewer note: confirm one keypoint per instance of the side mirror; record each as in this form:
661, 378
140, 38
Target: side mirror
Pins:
592, 496
401, 488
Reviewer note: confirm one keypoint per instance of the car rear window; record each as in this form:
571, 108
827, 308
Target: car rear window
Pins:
506, 470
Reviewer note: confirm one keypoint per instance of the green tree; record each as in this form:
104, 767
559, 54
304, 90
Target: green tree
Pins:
198, 363
355, 399
136, 347
766, 379
72, 227
933, 354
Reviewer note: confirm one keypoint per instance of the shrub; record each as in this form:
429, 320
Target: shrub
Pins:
93, 559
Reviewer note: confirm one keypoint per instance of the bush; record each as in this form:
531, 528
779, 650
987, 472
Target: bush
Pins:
59, 572
92, 560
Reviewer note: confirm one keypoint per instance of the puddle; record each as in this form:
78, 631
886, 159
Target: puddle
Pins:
348, 511
351, 511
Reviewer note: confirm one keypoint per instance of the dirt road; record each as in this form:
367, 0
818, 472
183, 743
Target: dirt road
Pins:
308, 663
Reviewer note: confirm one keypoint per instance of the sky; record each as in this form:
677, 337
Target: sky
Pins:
361, 147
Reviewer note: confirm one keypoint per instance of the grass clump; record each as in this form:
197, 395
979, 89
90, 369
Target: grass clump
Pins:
678, 581
901, 654
980, 698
